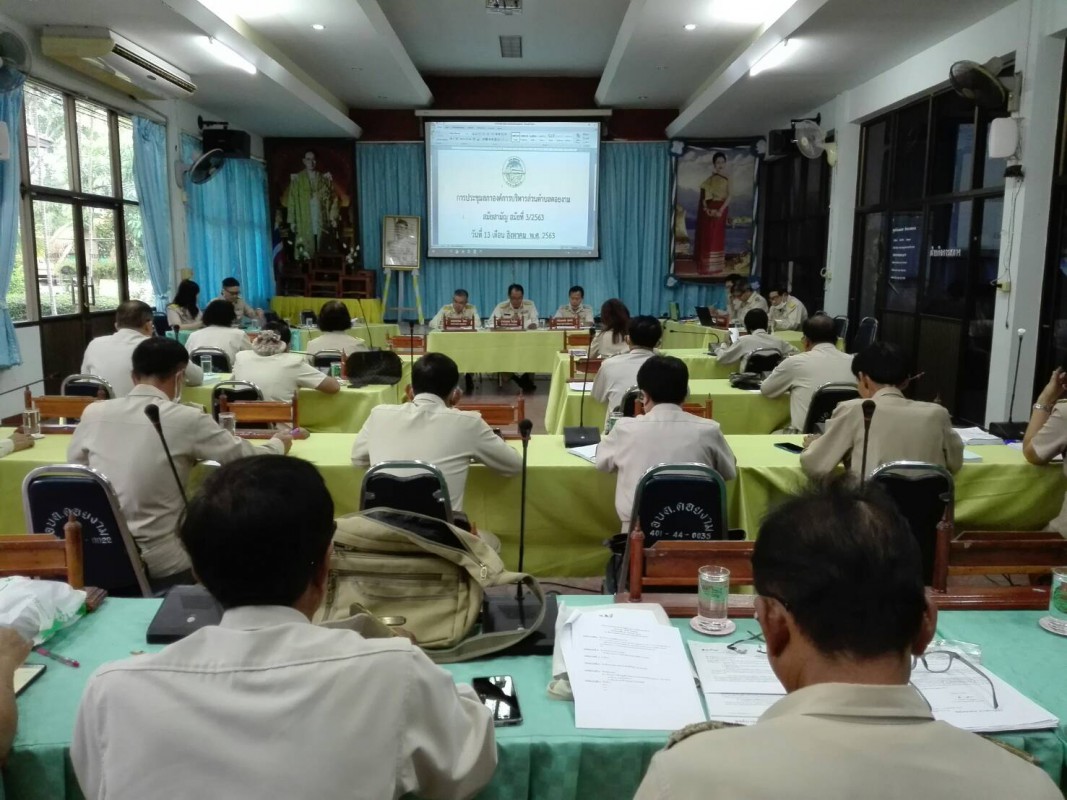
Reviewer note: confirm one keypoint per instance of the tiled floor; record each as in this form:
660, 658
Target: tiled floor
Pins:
489, 386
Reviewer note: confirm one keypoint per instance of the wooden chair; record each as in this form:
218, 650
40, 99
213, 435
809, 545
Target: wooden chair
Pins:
259, 412
576, 339
58, 407
564, 323
293, 284
459, 323
406, 345
41, 555
508, 324
359, 284
696, 409
675, 564
500, 415
590, 366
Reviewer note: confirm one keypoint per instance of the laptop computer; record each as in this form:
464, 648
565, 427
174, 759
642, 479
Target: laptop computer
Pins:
185, 609
705, 317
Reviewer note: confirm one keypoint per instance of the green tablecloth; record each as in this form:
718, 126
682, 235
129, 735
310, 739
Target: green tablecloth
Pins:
545, 758
290, 307
344, 412
736, 410
499, 351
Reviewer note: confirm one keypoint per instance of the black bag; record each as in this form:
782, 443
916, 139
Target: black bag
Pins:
373, 367
746, 380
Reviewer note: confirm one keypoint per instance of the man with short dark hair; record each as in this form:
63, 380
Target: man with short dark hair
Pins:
786, 312
757, 339
459, 308
109, 357
618, 374
843, 610
265, 704
518, 307
576, 309
819, 364
901, 429
231, 293
430, 429
664, 434
745, 299
117, 438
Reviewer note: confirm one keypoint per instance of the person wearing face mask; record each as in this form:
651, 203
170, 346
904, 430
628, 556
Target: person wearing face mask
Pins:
117, 438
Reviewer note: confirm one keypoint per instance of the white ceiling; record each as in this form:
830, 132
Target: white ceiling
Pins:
374, 53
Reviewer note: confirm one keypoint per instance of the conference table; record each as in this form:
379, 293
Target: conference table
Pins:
571, 505
544, 758
374, 335
738, 411
368, 310
693, 334
499, 350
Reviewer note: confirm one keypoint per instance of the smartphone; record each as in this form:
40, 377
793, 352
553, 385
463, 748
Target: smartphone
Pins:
27, 674
789, 447
497, 693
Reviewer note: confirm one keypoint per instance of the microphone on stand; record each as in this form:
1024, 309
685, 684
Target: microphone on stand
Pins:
1011, 430
525, 427
152, 412
581, 435
868, 414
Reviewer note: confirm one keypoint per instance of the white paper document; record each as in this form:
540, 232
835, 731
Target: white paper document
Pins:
971, 457
1019, 446
722, 670
628, 672
578, 386
739, 709
586, 452
976, 436
962, 698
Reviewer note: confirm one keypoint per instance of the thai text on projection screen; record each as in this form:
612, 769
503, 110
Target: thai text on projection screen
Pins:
512, 189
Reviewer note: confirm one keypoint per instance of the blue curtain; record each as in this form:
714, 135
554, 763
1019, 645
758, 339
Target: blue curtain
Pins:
635, 205
229, 228
153, 192
11, 113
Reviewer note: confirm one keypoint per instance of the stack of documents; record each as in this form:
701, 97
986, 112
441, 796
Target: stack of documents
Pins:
976, 436
586, 452
738, 686
580, 386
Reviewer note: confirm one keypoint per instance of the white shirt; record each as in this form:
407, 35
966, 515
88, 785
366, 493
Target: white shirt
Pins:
278, 376
527, 312
665, 435
746, 345
428, 430
230, 340
267, 705
111, 358
617, 376
605, 346
336, 340
802, 374
584, 314
115, 437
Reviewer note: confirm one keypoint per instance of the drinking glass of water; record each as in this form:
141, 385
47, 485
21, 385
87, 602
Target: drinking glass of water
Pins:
228, 422
207, 365
713, 596
1056, 621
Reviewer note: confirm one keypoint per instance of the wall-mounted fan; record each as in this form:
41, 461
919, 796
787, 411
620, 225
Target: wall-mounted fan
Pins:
201, 170
14, 59
980, 83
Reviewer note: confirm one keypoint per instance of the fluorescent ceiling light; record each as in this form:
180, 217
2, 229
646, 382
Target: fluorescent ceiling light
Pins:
228, 56
318, 27
775, 57
750, 12
689, 26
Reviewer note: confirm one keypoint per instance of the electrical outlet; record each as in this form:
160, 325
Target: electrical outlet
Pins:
1003, 286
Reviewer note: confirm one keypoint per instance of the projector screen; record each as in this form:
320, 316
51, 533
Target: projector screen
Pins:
512, 189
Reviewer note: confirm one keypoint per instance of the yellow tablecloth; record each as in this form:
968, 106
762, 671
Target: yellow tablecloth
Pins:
344, 412
499, 351
290, 307
736, 410
692, 334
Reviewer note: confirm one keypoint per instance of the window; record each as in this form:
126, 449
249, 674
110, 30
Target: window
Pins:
82, 248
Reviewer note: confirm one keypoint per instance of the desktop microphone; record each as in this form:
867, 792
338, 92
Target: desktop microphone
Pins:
152, 412
525, 426
868, 414
1011, 430
366, 323
582, 435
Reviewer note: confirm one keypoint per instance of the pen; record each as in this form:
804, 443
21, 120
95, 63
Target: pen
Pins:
56, 657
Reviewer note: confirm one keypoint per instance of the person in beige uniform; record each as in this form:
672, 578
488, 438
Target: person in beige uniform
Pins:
664, 434
334, 321
218, 331
757, 339
278, 373
618, 374
615, 325
429, 429
786, 312
229, 710
841, 604
576, 309
115, 437
802, 374
745, 299
459, 308
231, 293
183, 310
517, 306
1046, 434
901, 429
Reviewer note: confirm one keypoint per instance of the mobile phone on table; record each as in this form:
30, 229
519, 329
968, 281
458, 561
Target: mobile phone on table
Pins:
497, 693
27, 674
789, 447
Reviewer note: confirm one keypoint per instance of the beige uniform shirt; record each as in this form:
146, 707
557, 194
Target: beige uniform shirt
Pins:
1050, 442
738, 311
336, 340
788, 316
117, 438
617, 376
664, 435
179, 315
584, 314
111, 358
836, 740
230, 340
242, 309
802, 374
901, 430
223, 712
428, 430
449, 312
605, 346
750, 343
278, 376
528, 312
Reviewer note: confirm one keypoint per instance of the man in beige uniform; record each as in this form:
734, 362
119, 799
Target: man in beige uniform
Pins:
618, 374
843, 610
576, 309
231, 293
787, 313
517, 307
757, 339
745, 299
901, 429
802, 374
1046, 435
459, 308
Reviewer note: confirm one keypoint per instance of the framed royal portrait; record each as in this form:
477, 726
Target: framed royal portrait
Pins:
401, 243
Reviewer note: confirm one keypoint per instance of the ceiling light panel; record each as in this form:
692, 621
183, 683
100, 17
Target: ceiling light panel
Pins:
511, 47
750, 12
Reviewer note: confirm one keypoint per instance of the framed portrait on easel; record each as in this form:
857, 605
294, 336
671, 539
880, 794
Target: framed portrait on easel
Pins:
401, 242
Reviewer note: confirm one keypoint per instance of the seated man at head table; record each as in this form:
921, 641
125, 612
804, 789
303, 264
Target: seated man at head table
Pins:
745, 299
15, 442
841, 604
109, 357
117, 438
757, 339
231, 293
218, 331
1046, 433
618, 374
800, 375
664, 434
576, 309
223, 712
517, 307
430, 429
334, 320
900, 429
278, 373
787, 312
459, 308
